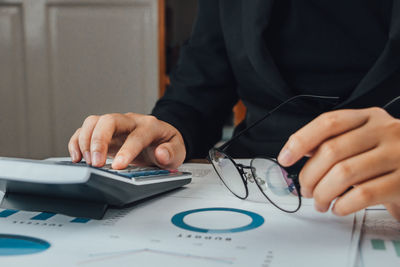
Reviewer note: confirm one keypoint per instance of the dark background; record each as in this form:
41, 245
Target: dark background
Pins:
180, 15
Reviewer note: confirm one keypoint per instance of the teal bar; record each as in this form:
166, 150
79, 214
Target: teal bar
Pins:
396, 244
43, 216
6, 213
80, 220
378, 244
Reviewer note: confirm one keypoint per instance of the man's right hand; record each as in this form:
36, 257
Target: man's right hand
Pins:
130, 138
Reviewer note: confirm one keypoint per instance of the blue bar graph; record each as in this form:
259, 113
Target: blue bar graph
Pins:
80, 220
43, 216
6, 213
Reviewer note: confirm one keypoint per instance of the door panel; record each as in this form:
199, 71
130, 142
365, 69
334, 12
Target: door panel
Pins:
13, 140
62, 60
102, 60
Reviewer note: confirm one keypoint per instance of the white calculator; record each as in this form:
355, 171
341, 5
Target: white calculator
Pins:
78, 189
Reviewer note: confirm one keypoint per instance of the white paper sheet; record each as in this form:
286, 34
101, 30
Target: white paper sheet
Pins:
354, 255
144, 235
380, 241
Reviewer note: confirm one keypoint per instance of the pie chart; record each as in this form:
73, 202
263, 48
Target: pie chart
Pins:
14, 245
218, 220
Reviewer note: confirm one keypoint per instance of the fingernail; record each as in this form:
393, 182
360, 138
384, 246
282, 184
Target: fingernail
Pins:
164, 154
119, 160
97, 158
305, 192
86, 156
334, 211
285, 157
74, 156
319, 207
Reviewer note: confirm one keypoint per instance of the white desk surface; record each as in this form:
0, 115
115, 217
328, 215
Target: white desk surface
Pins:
307, 238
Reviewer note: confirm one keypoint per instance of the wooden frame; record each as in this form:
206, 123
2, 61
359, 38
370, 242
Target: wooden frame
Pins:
163, 78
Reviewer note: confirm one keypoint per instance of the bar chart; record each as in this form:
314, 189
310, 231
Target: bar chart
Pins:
384, 245
39, 216
380, 244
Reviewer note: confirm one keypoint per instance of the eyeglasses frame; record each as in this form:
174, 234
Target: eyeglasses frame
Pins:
252, 177
291, 175
240, 167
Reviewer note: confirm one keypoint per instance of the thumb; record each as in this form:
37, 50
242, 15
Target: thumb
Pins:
170, 155
162, 155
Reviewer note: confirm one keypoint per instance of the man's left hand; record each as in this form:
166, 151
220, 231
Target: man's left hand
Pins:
358, 149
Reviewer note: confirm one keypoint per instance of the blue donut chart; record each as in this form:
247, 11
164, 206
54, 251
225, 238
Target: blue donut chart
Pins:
15, 245
256, 221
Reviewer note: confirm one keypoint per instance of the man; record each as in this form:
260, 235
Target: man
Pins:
264, 52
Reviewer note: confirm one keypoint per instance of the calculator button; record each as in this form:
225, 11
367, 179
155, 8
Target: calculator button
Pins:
136, 174
144, 173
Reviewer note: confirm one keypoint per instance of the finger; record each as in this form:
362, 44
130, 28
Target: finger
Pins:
394, 210
349, 172
311, 153
376, 191
85, 136
73, 147
106, 127
134, 144
171, 154
330, 153
322, 128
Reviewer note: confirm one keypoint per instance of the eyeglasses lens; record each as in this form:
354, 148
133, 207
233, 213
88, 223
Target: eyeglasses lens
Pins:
228, 173
275, 184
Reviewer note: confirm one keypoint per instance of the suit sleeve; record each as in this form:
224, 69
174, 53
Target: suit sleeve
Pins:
203, 89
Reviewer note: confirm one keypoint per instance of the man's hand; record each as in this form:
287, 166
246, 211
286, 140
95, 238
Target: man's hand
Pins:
349, 148
131, 138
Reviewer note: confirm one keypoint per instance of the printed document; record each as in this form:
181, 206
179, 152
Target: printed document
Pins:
202, 224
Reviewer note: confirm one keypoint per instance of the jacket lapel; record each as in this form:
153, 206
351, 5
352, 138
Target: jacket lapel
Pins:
387, 63
256, 15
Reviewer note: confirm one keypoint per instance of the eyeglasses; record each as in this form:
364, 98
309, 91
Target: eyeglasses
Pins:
278, 184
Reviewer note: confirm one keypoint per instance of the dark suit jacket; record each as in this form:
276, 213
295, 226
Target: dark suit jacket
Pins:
226, 59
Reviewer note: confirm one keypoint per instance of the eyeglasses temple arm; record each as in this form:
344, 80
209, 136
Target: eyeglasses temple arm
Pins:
228, 143
391, 102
